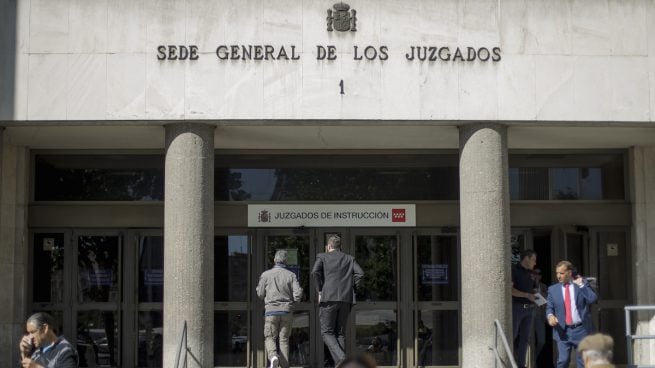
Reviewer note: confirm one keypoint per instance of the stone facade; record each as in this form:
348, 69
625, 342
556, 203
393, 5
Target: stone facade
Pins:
562, 60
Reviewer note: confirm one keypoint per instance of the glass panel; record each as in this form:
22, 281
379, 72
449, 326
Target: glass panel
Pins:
565, 183
48, 272
99, 178
336, 184
151, 269
298, 248
437, 268
230, 339
376, 332
97, 339
612, 322
517, 244
575, 252
97, 268
377, 255
151, 339
437, 337
299, 340
528, 183
231, 267
591, 186
612, 267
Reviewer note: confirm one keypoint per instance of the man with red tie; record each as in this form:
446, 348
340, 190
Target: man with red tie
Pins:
568, 312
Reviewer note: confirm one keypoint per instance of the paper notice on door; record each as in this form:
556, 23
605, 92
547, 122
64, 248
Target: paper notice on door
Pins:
539, 299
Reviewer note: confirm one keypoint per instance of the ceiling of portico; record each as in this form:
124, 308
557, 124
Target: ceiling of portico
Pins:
365, 136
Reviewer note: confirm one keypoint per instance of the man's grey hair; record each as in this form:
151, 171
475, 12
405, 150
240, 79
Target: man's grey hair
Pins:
334, 242
597, 357
280, 256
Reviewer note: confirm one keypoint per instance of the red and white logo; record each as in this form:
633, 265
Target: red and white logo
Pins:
398, 215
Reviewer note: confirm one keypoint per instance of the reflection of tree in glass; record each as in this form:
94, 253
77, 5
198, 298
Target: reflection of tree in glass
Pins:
377, 256
353, 184
138, 184
98, 268
96, 338
569, 193
227, 185
301, 243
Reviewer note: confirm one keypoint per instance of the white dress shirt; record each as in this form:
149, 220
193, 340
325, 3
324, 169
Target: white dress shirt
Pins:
574, 308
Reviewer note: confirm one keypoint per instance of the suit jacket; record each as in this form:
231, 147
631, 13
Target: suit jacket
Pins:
335, 274
584, 297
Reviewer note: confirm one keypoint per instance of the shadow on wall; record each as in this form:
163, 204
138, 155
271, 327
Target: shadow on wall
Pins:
8, 50
8, 32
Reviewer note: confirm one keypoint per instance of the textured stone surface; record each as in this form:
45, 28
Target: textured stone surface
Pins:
188, 242
563, 60
643, 232
14, 165
484, 219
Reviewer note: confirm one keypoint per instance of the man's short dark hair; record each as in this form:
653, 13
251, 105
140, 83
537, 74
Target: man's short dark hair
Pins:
334, 241
527, 253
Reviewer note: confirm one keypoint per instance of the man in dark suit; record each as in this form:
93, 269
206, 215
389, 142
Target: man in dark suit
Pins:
335, 274
568, 312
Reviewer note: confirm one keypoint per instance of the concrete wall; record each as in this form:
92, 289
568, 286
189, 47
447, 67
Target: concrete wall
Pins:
562, 60
643, 168
13, 249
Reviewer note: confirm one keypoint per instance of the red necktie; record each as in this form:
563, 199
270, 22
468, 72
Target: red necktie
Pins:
567, 305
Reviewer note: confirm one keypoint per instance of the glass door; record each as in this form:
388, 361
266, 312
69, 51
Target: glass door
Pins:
149, 250
436, 286
232, 307
97, 301
301, 252
375, 315
611, 255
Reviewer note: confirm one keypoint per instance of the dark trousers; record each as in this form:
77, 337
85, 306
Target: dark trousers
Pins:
333, 317
522, 321
567, 340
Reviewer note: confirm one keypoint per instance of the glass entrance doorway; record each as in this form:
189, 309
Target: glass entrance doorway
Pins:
601, 254
407, 307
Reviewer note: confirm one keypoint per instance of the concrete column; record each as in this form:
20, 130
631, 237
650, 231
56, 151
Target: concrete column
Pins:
189, 242
642, 172
485, 233
14, 165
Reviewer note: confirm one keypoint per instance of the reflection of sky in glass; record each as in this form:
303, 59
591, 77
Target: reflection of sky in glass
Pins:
237, 244
260, 183
564, 183
591, 186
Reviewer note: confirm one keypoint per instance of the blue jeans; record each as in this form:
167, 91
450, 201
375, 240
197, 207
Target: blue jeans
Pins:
522, 321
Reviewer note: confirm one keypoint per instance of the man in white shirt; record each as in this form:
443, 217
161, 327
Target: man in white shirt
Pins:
568, 312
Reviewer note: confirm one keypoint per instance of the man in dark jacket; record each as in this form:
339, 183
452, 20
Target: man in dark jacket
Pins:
41, 348
335, 274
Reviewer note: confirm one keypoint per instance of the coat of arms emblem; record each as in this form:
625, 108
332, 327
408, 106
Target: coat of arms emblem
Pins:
341, 18
264, 216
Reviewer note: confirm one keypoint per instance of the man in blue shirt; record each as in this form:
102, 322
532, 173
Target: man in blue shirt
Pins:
41, 348
280, 289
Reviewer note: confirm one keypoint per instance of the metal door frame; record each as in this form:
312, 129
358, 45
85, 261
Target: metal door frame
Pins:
125, 352
258, 266
412, 355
